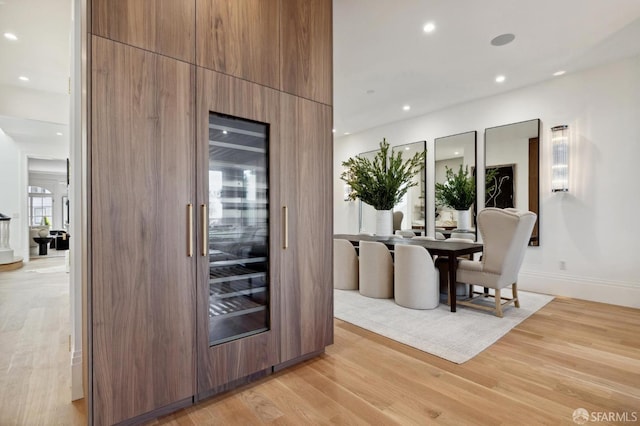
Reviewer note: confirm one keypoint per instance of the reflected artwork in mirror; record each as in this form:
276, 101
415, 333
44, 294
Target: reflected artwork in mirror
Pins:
412, 206
512, 167
451, 152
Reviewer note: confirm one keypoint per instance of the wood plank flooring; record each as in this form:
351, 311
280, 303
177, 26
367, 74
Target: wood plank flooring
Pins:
35, 366
571, 354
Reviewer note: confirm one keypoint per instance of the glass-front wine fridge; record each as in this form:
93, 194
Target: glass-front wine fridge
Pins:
238, 228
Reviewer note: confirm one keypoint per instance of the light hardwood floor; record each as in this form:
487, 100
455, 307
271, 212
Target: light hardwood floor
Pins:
35, 369
571, 354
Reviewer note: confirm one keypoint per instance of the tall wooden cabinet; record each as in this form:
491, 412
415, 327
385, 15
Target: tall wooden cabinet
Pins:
306, 191
210, 198
142, 279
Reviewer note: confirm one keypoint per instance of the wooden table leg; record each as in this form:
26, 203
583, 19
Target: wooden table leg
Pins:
453, 265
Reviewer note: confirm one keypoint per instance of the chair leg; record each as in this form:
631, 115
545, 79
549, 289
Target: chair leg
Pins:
498, 303
516, 301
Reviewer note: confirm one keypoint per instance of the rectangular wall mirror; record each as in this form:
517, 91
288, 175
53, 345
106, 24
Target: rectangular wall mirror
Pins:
452, 152
412, 206
512, 168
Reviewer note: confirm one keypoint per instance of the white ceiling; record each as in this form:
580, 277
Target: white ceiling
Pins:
379, 45
42, 51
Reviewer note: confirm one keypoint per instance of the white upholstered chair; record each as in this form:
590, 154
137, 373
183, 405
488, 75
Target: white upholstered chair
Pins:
440, 236
443, 267
345, 265
376, 270
463, 234
424, 237
405, 233
397, 220
505, 234
415, 278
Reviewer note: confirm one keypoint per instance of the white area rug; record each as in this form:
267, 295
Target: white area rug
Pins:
456, 337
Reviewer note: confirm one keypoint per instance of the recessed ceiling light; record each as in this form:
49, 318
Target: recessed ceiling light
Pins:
10, 36
429, 27
407, 148
406, 108
500, 78
224, 132
557, 73
502, 39
59, 133
333, 130
346, 133
456, 153
23, 78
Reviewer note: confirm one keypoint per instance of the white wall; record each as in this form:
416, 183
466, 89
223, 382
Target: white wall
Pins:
10, 191
594, 228
34, 104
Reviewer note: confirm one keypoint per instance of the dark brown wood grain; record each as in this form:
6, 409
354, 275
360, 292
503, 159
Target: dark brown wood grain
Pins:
306, 190
221, 364
239, 38
142, 282
162, 26
307, 49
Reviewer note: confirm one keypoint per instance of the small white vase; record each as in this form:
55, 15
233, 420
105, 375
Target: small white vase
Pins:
464, 219
384, 222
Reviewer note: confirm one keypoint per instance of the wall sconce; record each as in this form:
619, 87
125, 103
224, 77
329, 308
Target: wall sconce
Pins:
560, 166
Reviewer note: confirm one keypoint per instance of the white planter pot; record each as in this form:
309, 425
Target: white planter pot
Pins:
464, 219
384, 222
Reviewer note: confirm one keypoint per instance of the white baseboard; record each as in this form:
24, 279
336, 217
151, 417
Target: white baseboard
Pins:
77, 390
597, 290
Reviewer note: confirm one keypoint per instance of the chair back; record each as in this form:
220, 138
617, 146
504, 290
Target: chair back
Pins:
416, 283
425, 238
468, 235
375, 270
405, 232
459, 240
345, 265
505, 234
397, 220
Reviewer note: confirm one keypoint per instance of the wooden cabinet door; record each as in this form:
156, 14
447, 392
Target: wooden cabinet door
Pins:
239, 38
306, 49
306, 190
161, 26
238, 353
142, 279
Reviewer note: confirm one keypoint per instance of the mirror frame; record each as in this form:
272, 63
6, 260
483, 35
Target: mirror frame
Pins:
534, 176
473, 172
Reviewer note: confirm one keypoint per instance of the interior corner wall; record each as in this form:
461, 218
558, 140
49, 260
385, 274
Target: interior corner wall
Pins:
10, 190
593, 229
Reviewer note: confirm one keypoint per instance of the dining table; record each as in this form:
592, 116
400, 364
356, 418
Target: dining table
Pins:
449, 249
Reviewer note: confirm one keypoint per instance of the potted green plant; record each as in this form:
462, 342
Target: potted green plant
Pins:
458, 192
382, 182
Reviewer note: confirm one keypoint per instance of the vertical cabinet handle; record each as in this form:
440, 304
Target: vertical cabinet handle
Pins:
205, 233
285, 227
189, 230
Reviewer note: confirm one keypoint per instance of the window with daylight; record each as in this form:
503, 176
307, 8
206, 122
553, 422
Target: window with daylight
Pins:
40, 206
